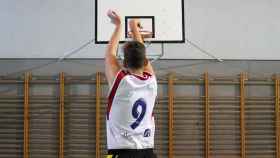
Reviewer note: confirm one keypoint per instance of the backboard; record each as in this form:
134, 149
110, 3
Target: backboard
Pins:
162, 20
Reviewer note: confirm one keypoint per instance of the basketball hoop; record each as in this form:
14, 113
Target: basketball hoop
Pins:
146, 35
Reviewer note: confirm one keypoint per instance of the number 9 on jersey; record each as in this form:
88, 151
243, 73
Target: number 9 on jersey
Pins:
136, 114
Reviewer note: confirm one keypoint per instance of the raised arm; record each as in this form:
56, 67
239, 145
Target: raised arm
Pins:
136, 35
112, 65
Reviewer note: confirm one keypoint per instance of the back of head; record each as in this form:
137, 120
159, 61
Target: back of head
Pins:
134, 55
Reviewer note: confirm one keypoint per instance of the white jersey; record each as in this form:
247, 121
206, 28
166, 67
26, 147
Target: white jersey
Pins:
130, 120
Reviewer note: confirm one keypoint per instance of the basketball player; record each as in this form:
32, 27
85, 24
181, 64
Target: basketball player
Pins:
130, 121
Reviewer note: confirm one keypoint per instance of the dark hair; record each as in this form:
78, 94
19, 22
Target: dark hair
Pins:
134, 54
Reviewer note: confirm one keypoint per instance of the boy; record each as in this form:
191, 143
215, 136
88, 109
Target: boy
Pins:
130, 121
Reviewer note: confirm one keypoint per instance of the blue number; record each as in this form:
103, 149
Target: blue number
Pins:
139, 117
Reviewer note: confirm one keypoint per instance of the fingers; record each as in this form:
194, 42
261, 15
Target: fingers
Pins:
139, 25
135, 23
115, 18
111, 14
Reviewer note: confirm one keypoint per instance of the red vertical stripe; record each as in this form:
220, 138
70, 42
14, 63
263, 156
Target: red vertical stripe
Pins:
120, 76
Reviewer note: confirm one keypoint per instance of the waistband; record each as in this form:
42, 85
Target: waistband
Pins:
117, 151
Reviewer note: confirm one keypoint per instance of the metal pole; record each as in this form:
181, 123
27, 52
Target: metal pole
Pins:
61, 115
170, 114
242, 114
207, 122
97, 116
27, 77
277, 121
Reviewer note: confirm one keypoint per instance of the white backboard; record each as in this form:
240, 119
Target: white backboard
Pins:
165, 17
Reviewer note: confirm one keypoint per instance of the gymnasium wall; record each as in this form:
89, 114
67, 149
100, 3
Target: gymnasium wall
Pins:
234, 29
188, 105
197, 116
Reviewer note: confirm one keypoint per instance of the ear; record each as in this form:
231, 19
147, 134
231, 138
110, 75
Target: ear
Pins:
146, 61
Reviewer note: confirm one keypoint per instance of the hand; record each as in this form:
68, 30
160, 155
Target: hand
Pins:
135, 23
115, 18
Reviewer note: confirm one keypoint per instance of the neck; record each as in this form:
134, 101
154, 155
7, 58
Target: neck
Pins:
137, 72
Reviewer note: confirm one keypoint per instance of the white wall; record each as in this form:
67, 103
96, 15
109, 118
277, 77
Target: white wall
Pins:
229, 29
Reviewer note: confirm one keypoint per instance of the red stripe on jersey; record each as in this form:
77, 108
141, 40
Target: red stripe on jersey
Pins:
119, 77
145, 76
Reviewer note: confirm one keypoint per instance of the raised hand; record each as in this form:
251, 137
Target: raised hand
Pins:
115, 18
135, 23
